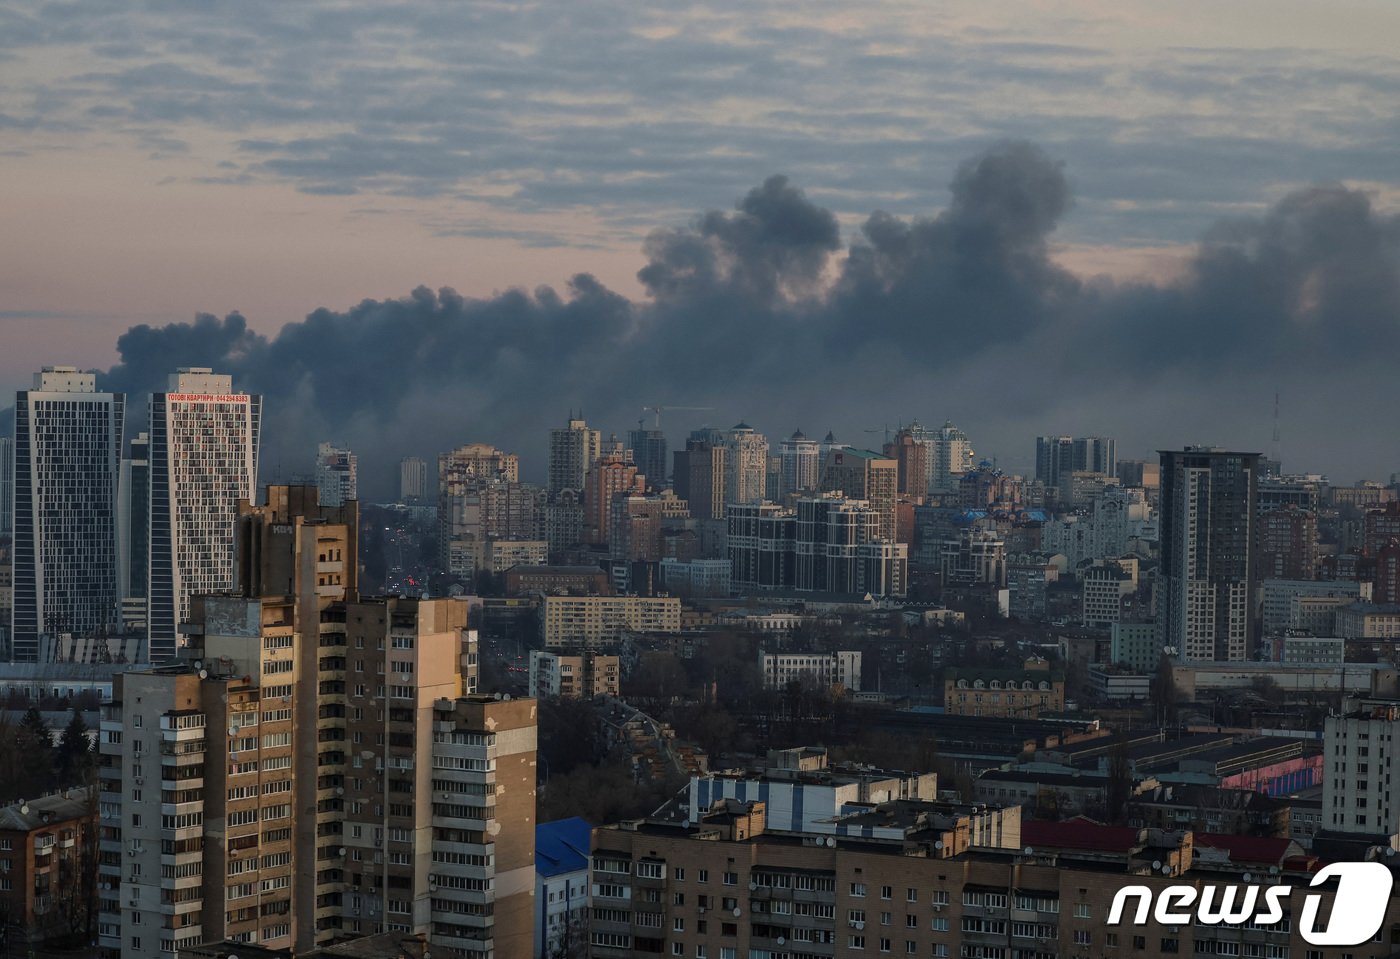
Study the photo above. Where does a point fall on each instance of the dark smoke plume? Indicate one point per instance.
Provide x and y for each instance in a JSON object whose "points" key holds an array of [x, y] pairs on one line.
{"points": [[756, 312]]}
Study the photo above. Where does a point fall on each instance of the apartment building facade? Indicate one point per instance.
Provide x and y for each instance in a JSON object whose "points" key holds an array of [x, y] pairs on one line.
{"points": [[593, 621], [298, 777]]}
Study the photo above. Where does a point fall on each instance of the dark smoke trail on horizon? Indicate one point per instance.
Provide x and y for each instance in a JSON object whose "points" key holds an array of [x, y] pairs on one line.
{"points": [[922, 313]]}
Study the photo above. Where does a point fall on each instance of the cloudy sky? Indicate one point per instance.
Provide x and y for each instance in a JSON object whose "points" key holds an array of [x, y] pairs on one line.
{"points": [[1131, 217]]}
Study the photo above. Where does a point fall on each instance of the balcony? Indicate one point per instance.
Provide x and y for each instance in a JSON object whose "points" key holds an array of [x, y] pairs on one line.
{"points": [[182, 808]]}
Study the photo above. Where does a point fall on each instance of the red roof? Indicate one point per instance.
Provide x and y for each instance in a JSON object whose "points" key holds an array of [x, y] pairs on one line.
{"points": [[1245, 850], [1078, 833]]}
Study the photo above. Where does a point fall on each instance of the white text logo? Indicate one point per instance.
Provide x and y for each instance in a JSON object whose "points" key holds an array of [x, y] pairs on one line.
{"points": [[1358, 907]]}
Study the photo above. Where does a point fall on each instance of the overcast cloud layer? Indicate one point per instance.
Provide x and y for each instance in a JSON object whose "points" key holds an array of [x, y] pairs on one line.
{"points": [[162, 159]]}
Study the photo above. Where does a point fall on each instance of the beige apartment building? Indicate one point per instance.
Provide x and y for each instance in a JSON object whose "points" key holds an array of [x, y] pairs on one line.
{"points": [[299, 776], [937, 881], [578, 676], [592, 621]]}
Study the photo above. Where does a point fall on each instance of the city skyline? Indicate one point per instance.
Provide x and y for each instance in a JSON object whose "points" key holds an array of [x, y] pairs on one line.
{"points": [[776, 479]]}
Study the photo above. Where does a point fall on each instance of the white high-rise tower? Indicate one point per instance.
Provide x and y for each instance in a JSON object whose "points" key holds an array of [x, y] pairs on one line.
{"points": [[204, 459]]}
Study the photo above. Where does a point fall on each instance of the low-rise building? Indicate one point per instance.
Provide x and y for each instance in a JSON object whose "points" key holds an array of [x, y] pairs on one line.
{"points": [[841, 668], [802, 793], [575, 580], [49, 849], [1025, 692], [561, 887], [1312, 650], [1210, 809], [580, 675], [1114, 683], [1197, 679], [1368, 621], [696, 577]]}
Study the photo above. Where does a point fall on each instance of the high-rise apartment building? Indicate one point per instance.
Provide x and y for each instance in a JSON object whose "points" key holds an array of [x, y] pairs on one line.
{"points": [[745, 464], [913, 452], [865, 475], [648, 449], [321, 770], [1287, 543], [413, 480], [950, 456], [337, 474], [699, 478], [67, 468], [839, 549], [7, 486], [1053, 455], [572, 451], [799, 466], [134, 533], [612, 474], [465, 475], [204, 461], [590, 622], [761, 542], [828, 544], [1207, 573], [1056, 457]]}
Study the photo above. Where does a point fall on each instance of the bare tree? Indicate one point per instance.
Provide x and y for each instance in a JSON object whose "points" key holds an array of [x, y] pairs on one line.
{"points": [[571, 940], [74, 910]]}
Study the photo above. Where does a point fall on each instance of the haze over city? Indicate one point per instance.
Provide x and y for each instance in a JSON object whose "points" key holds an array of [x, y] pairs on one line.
{"points": [[1156, 220]]}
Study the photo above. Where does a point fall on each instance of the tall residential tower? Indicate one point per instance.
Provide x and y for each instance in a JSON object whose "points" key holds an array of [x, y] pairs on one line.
{"points": [[67, 467], [204, 461], [571, 451], [1206, 609]]}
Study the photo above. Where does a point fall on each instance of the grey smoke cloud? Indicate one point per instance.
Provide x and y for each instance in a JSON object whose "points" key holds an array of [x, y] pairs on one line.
{"points": [[755, 311]]}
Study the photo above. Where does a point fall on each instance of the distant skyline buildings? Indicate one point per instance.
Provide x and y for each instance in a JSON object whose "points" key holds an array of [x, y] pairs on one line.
{"points": [[1058, 457], [337, 474], [745, 463], [413, 479], [204, 461], [799, 464], [950, 456], [572, 451], [648, 448], [66, 488]]}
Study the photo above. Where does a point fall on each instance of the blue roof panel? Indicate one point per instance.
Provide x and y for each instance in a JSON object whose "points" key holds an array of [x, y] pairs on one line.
{"points": [[562, 846]]}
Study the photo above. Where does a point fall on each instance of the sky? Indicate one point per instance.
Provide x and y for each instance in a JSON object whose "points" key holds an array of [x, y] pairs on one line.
{"points": [[417, 224]]}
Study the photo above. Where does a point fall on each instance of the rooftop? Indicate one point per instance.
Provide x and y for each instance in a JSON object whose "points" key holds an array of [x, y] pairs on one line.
{"points": [[38, 813], [562, 846]]}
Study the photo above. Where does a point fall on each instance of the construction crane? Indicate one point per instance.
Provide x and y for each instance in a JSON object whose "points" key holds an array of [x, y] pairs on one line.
{"points": [[659, 409], [885, 429]]}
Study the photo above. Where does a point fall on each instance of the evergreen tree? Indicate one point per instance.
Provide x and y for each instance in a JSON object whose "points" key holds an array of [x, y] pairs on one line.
{"points": [[36, 754], [76, 762]]}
